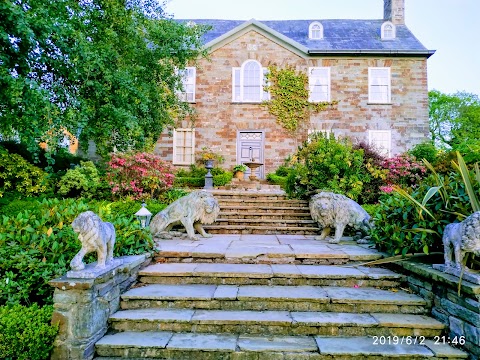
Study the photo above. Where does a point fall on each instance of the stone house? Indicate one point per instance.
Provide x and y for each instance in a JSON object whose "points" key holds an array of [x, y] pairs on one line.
{"points": [[375, 69]]}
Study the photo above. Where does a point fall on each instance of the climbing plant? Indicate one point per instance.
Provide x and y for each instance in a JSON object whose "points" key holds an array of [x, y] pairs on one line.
{"points": [[289, 97]]}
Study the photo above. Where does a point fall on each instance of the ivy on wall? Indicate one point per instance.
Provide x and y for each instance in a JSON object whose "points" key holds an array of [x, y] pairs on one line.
{"points": [[289, 97]]}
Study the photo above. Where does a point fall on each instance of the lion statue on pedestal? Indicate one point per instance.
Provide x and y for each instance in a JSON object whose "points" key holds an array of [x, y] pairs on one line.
{"points": [[95, 236], [332, 210], [197, 208]]}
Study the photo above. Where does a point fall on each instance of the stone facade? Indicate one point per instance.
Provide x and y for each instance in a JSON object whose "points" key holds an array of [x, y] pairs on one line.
{"points": [[220, 120], [460, 312], [83, 306]]}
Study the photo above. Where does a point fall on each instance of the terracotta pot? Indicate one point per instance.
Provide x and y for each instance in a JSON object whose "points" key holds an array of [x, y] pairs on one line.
{"points": [[239, 175]]}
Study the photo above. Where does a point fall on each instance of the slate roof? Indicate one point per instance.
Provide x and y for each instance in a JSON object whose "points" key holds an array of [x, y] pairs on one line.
{"points": [[339, 36]]}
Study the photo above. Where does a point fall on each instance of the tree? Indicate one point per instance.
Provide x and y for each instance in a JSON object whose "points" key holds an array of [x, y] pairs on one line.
{"points": [[104, 70], [455, 122]]}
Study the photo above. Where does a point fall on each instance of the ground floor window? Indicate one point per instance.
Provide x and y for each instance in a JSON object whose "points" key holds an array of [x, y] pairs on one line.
{"points": [[184, 146], [382, 140]]}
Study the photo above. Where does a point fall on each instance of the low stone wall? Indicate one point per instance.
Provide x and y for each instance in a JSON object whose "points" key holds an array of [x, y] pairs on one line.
{"points": [[460, 313], [83, 305]]}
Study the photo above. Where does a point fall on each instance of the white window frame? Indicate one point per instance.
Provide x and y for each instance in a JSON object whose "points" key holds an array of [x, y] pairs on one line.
{"points": [[386, 35], [189, 76], [376, 83], [315, 31], [324, 80], [238, 83], [376, 142], [185, 161]]}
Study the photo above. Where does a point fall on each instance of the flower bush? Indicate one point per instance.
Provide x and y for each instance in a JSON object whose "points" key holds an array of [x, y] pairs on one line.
{"points": [[403, 170], [139, 175]]}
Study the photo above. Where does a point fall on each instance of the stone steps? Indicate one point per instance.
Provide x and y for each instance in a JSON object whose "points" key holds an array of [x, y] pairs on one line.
{"points": [[188, 346], [269, 274], [281, 298], [275, 322], [261, 213]]}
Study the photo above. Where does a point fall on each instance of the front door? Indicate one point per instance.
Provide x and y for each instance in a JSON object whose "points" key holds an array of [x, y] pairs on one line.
{"points": [[250, 146]]}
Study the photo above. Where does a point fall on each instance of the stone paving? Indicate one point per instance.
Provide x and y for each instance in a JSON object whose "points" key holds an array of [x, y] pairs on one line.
{"points": [[265, 249]]}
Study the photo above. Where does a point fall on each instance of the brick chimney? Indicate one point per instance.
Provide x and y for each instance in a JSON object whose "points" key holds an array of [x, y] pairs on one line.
{"points": [[394, 10]]}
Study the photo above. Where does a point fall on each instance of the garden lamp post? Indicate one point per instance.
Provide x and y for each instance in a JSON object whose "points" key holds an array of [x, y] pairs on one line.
{"points": [[144, 216]]}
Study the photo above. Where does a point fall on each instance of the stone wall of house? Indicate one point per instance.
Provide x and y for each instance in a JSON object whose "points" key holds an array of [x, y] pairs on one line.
{"points": [[219, 119], [83, 306], [460, 312]]}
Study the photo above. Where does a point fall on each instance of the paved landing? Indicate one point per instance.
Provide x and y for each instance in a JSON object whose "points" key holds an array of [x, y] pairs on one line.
{"points": [[267, 248]]}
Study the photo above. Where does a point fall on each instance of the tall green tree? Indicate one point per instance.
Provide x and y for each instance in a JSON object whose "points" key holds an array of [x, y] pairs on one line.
{"points": [[455, 122], [102, 69]]}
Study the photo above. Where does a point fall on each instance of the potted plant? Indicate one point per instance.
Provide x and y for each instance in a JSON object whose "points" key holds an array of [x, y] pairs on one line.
{"points": [[208, 156], [239, 171]]}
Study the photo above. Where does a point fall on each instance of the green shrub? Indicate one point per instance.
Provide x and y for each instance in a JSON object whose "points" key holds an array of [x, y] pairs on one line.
{"points": [[413, 220], [62, 159], [277, 180], [425, 150], [37, 245], [325, 163], [190, 182], [83, 180], [11, 207], [371, 209], [17, 174], [26, 333], [222, 179]]}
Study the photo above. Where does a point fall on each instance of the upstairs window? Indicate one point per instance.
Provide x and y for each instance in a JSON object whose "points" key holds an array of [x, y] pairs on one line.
{"points": [[183, 146], [315, 31], [319, 84], [188, 83], [388, 31], [248, 82], [381, 140], [379, 88]]}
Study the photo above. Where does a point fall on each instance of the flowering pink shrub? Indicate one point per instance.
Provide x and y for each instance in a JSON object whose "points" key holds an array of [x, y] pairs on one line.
{"points": [[403, 170], [139, 175]]}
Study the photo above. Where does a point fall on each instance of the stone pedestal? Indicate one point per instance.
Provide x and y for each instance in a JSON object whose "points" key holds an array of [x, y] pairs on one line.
{"points": [[83, 302]]}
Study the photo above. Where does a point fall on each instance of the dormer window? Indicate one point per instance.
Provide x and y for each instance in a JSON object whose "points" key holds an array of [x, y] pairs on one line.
{"points": [[388, 31], [315, 31]]}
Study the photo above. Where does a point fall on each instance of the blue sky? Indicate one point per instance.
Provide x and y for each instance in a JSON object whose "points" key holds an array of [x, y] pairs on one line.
{"points": [[451, 27]]}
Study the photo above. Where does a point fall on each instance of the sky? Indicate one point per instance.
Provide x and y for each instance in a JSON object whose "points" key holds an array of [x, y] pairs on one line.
{"points": [[451, 27]]}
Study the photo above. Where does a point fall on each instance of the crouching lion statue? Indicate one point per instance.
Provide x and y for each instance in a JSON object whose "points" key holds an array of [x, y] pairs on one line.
{"points": [[331, 210], [95, 235], [197, 208], [464, 237]]}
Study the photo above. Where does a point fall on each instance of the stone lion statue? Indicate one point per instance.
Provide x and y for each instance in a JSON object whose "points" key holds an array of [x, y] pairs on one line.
{"points": [[332, 210], [197, 208], [464, 237], [95, 236]]}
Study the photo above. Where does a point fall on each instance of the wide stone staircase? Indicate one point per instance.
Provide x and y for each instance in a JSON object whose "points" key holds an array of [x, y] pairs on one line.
{"points": [[263, 212], [271, 297]]}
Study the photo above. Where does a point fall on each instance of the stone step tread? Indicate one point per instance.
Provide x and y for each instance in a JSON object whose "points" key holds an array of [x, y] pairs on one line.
{"points": [[241, 250], [230, 346], [255, 200], [317, 294], [264, 207], [278, 318], [267, 221], [269, 214], [253, 194], [258, 227], [268, 271]]}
